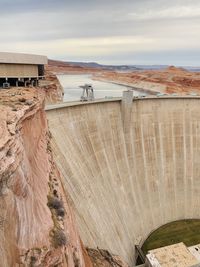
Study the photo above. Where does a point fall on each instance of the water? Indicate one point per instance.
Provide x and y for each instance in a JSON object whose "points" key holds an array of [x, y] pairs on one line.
{"points": [[72, 92]]}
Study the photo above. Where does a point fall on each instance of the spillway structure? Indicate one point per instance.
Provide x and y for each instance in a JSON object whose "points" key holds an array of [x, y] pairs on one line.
{"points": [[129, 166]]}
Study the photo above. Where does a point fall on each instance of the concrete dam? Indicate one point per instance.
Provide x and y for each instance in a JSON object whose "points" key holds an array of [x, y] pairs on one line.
{"points": [[128, 167]]}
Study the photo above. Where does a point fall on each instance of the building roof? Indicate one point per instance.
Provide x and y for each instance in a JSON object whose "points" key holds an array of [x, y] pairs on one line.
{"points": [[18, 58], [195, 250], [177, 255]]}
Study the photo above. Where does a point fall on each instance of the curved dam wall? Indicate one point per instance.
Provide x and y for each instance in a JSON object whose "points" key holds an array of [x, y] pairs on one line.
{"points": [[127, 179]]}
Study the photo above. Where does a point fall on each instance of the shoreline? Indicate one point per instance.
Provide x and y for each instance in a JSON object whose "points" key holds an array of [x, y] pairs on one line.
{"points": [[138, 89], [124, 84]]}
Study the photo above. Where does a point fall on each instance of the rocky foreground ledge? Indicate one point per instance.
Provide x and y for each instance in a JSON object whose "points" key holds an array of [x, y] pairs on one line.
{"points": [[37, 225]]}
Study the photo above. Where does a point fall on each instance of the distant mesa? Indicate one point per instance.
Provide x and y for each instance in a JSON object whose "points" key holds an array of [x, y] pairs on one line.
{"points": [[173, 68]]}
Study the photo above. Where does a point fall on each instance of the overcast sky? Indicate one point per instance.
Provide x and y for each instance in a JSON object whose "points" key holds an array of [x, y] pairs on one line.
{"points": [[106, 31]]}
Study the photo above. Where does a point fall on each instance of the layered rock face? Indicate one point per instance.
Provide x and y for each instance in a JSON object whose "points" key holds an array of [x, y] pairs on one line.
{"points": [[128, 179], [37, 226], [170, 80], [53, 89]]}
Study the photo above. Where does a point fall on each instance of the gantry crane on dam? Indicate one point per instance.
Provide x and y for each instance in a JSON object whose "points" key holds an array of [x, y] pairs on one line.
{"points": [[88, 92]]}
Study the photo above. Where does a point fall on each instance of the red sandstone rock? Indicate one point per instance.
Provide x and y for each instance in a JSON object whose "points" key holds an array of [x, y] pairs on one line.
{"points": [[27, 176], [170, 80], [103, 258]]}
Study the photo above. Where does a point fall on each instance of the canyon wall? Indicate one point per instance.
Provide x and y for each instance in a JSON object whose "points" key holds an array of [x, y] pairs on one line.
{"points": [[33, 230], [169, 80], [126, 180]]}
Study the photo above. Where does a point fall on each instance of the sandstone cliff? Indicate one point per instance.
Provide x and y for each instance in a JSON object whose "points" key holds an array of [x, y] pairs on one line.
{"points": [[170, 80], [54, 91], [37, 226]]}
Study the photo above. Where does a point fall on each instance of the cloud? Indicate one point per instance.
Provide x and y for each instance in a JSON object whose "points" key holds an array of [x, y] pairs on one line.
{"points": [[174, 12], [101, 30]]}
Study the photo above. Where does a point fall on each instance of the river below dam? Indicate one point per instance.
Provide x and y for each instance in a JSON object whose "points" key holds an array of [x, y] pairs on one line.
{"points": [[72, 91]]}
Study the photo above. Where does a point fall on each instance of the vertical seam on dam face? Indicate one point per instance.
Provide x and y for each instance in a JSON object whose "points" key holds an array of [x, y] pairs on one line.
{"points": [[128, 171], [162, 178], [185, 160], [174, 169], [191, 170]]}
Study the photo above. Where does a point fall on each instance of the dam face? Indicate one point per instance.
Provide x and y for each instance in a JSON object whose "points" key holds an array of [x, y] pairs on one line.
{"points": [[126, 180]]}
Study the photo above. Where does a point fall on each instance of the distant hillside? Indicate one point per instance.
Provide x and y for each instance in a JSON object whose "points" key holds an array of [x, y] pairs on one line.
{"points": [[93, 65], [105, 67], [123, 68]]}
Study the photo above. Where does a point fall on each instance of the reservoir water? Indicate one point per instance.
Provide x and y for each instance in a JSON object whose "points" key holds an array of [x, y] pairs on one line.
{"points": [[72, 91]]}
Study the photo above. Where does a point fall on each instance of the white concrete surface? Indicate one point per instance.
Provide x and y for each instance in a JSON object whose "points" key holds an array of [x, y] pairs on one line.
{"points": [[177, 255], [127, 181]]}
